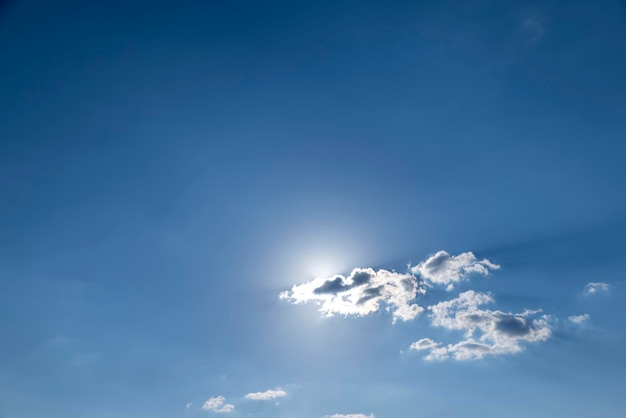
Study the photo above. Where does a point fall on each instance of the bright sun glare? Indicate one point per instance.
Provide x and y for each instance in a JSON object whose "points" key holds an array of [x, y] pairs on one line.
{"points": [[323, 268], [325, 262]]}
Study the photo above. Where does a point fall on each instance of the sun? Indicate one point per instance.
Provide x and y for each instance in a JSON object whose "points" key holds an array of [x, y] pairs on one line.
{"points": [[323, 267], [322, 261]]}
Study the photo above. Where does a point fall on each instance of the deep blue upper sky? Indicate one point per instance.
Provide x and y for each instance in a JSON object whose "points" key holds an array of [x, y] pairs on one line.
{"points": [[167, 169]]}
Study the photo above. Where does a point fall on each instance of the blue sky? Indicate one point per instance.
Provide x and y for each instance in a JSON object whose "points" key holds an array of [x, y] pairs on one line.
{"points": [[337, 209]]}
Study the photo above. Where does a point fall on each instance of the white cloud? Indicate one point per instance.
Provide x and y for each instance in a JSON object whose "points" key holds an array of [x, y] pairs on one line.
{"points": [[596, 287], [267, 395], [189, 405], [486, 332], [442, 268], [579, 319], [350, 416], [217, 404], [227, 408], [424, 344], [361, 293]]}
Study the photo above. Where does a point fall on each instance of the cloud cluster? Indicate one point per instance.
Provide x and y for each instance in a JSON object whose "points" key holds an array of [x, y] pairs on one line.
{"points": [[365, 290], [361, 293], [595, 288], [486, 332], [267, 395], [445, 269], [217, 404]]}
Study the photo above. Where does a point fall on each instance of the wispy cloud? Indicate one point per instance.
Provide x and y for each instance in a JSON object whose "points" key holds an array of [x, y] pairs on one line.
{"points": [[533, 29], [361, 293], [594, 288], [579, 319], [486, 332], [217, 404], [58, 341], [350, 416], [267, 395]]}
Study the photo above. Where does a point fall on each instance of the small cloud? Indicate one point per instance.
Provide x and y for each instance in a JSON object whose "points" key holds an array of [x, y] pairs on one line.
{"points": [[189, 405], [227, 408], [350, 416], [217, 404], [267, 395], [424, 344], [593, 288], [445, 269], [579, 319]]}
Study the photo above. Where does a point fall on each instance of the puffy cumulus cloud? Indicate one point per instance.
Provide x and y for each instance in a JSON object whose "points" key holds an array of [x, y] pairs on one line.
{"points": [[424, 344], [267, 395], [445, 269], [596, 287], [486, 332], [361, 293], [350, 416], [217, 404], [579, 319]]}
